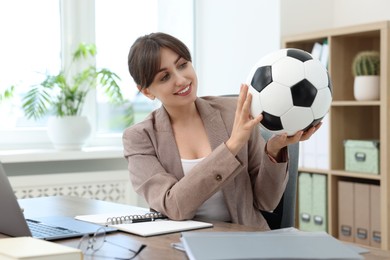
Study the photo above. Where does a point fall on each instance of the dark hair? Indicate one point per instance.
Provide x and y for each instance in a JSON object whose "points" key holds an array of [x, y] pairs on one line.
{"points": [[144, 57]]}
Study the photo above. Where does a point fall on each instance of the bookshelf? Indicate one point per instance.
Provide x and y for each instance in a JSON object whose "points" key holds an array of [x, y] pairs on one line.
{"points": [[351, 119]]}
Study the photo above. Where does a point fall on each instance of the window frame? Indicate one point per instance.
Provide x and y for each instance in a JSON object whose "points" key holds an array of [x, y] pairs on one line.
{"points": [[78, 25], [76, 20]]}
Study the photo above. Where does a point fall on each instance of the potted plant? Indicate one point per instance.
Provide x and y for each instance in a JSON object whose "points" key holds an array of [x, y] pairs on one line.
{"points": [[366, 69], [62, 96]]}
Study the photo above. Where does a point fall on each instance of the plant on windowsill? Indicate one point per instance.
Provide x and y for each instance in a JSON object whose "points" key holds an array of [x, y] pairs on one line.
{"points": [[62, 96], [366, 69]]}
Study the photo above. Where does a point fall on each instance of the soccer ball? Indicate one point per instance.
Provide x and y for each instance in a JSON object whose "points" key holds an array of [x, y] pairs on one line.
{"points": [[291, 89]]}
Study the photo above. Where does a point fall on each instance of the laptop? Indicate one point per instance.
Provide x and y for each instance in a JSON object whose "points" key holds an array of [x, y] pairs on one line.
{"points": [[13, 223]]}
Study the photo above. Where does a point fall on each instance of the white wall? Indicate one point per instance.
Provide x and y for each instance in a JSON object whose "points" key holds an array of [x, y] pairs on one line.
{"points": [[230, 36], [351, 12], [297, 16], [176, 17], [300, 16]]}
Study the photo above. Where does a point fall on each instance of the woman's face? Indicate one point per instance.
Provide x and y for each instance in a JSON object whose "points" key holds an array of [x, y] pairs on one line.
{"points": [[176, 83]]}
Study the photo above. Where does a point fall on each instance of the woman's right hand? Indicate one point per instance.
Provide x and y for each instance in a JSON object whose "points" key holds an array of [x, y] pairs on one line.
{"points": [[243, 122]]}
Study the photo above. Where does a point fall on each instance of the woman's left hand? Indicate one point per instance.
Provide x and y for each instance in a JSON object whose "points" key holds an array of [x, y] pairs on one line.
{"points": [[277, 142]]}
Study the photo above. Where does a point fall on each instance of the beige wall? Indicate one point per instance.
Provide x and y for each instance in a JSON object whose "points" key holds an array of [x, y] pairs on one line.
{"points": [[300, 16], [363, 11]]}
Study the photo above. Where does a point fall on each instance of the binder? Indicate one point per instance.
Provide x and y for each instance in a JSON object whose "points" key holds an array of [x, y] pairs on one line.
{"points": [[312, 202], [346, 229], [319, 208], [375, 217], [316, 51], [362, 213], [305, 201]]}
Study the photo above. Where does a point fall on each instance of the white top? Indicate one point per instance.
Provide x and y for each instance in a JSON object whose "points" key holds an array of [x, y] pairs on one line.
{"points": [[215, 207]]}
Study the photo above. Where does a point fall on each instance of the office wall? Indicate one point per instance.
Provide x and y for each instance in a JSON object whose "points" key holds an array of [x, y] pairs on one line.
{"points": [[230, 36], [177, 18], [300, 16], [349, 12]]}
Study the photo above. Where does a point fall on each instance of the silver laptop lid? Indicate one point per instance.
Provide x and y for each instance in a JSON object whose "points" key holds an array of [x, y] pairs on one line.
{"points": [[12, 221]]}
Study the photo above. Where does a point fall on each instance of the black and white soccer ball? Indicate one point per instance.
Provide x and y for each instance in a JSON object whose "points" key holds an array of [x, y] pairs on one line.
{"points": [[292, 90]]}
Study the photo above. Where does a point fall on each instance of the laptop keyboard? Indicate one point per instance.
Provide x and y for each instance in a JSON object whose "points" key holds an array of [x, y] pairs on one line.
{"points": [[40, 230]]}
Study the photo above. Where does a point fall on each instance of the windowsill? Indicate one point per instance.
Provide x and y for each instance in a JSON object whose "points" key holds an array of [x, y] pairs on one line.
{"points": [[45, 155]]}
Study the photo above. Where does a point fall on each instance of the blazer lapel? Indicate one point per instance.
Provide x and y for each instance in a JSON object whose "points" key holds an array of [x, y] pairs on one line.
{"points": [[217, 134], [167, 149], [213, 123]]}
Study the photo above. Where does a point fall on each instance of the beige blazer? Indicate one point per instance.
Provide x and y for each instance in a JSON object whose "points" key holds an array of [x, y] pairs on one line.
{"points": [[249, 181]]}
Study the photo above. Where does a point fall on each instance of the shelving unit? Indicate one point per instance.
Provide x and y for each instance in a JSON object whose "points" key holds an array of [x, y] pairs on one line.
{"points": [[351, 119]]}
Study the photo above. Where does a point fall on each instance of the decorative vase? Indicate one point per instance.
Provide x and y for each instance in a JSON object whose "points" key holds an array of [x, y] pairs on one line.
{"points": [[69, 132], [366, 88]]}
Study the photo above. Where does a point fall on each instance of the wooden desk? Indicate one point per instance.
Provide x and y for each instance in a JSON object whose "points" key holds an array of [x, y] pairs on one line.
{"points": [[158, 247]]}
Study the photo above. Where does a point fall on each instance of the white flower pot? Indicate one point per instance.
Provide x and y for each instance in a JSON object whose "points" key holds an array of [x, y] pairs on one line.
{"points": [[69, 132], [366, 88]]}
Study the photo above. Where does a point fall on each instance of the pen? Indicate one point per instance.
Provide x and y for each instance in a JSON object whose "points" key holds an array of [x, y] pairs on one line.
{"points": [[148, 217], [137, 220]]}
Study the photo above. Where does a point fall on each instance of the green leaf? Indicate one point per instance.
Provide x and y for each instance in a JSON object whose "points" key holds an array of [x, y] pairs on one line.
{"points": [[37, 102], [65, 96], [108, 82], [7, 94], [84, 50]]}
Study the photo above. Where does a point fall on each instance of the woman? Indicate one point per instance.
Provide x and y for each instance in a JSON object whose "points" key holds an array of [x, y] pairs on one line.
{"points": [[196, 156]]}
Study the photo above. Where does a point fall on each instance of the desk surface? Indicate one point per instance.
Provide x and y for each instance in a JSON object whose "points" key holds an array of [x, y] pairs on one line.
{"points": [[158, 247]]}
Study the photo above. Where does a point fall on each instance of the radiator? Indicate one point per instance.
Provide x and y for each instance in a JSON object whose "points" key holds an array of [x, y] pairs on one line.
{"points": [[111, 186]]}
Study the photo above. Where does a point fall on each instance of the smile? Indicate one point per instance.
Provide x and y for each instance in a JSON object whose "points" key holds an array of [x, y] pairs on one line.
{"points": [[184, 91]]}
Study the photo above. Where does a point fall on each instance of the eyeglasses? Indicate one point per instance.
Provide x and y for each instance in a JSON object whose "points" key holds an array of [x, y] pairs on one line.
{"points": [[96, 241]]}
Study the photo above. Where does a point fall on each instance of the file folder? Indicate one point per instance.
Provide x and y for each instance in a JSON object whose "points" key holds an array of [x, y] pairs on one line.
{"points": [[362, 213], [346, 225], [305, 201], [375, 217], [265, 245], [319, 203]]}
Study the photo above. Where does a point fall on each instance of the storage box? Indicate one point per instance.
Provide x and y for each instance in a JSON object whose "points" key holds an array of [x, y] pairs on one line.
{"points": [[362, 156]]}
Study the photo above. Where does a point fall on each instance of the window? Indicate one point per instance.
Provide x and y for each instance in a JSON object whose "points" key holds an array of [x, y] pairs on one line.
{"points": [[118, 24], [30, 46], [37, 38]]}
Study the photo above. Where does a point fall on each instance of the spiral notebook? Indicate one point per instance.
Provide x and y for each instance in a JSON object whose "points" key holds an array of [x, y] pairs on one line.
{"points": [[143, 223]]}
